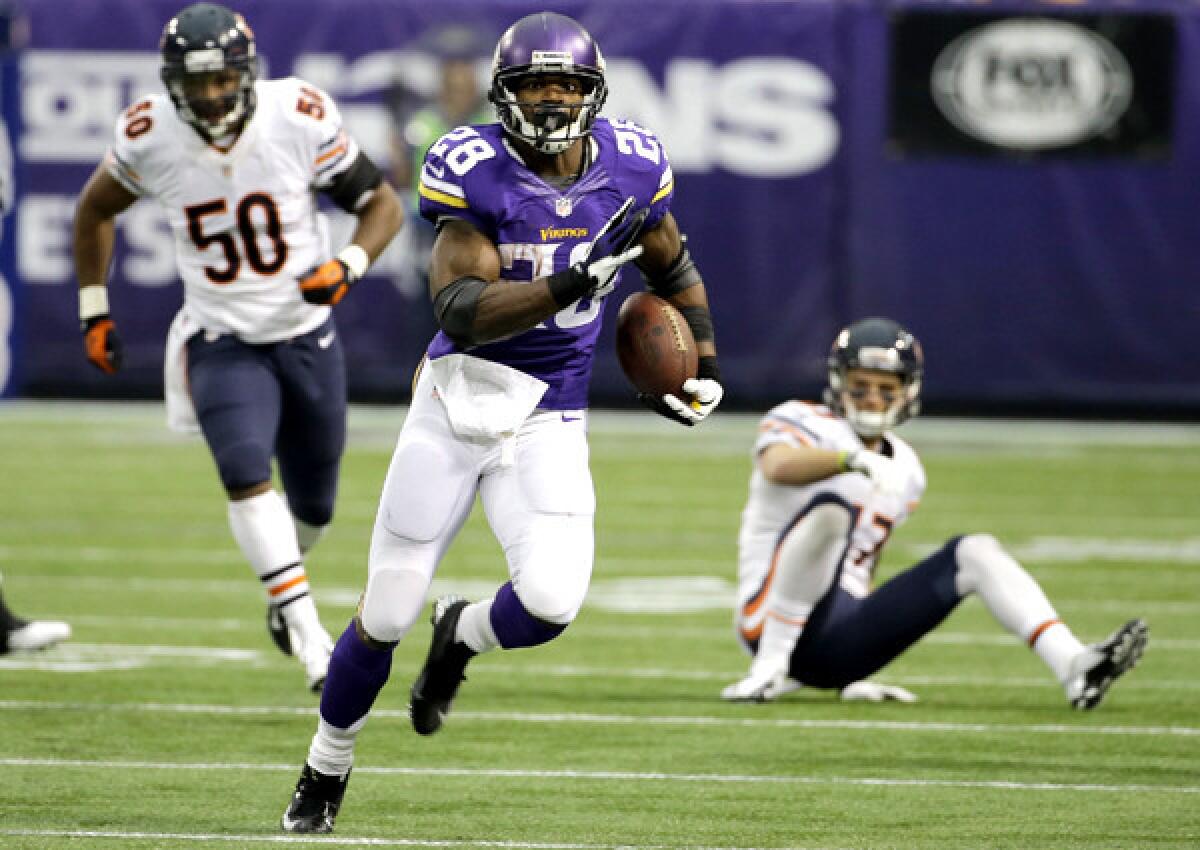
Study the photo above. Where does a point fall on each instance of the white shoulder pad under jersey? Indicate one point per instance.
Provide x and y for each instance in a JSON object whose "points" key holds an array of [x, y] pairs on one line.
{"points": [[245, 219]]}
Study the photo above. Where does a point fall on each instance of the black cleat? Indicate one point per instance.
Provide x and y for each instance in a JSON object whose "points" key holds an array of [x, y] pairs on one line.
{"points": [[278, 628], [438, 681], [1099, 665], [315, 803]]}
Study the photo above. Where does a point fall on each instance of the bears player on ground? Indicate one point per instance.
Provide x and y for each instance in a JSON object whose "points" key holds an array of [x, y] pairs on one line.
{"points": [[830, 484], [536, 215], [235, 163]]}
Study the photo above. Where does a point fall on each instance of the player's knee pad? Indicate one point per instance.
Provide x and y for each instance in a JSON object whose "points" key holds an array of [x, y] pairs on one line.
{"points": [[974, 554], [817, 540], [552, 572], [392, 602], [314, 512], [829, 521], [552, 600], [242, 464]]}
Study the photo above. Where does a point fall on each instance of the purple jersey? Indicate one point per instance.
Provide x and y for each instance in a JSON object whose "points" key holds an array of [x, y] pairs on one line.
{"points": [[473, 174]]}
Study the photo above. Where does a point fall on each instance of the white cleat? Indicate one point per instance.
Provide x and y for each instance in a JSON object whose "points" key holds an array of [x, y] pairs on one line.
{"points": [[767, 680], [313, 650], [38, 634], [1095, 669]]}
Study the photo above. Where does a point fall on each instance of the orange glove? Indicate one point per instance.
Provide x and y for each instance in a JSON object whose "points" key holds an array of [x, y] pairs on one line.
{"points": [[102, 344], [328, 283]]}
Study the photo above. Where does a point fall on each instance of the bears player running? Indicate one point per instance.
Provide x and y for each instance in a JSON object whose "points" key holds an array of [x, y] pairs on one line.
{"points": [[234, 162], [536, 215], [830, 483]]}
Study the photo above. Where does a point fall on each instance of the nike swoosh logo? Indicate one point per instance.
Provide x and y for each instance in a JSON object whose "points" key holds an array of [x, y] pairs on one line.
{"points": [[571, 418], [327, 340]]}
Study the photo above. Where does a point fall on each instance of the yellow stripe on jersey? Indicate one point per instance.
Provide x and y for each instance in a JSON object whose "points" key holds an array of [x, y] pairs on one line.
{"points": [[441, 197], [663, 192]]}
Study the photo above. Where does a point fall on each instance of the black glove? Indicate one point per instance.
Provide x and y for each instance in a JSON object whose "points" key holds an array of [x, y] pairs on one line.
{"points": [[656, 403], [706, 391], [102, 344], [595, 275], [618, 233]]}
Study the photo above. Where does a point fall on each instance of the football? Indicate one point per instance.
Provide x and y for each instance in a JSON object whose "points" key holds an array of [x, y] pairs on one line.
{"points": [[654, 345]]}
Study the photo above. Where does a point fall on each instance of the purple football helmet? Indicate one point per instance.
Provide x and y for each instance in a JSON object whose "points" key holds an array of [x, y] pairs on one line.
{"points": [[547, 43]]}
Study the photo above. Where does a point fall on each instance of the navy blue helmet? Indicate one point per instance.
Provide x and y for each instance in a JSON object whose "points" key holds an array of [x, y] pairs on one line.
{"points": [[881, 345], [201, 39]]}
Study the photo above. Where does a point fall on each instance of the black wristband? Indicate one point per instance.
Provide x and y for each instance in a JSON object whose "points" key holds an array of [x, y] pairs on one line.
{"points": [[700, 321], [86, 325], [706, 367], [569, 285]]}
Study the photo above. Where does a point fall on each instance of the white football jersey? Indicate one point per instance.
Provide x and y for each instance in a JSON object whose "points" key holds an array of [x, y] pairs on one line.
{"points": [[773, 508], [245, 220]]}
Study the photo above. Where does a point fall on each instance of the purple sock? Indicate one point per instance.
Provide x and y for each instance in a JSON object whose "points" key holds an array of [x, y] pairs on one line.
{"points": [[514, 626], [356, 675]]}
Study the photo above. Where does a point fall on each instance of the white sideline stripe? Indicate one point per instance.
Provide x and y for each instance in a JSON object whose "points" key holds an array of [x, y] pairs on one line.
{"points": [[624, 776], [336, 840], [614, 719]]}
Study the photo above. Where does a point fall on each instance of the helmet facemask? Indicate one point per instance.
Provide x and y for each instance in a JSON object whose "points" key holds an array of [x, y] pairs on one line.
{"points": [[871, 424], [876, 345], [213, 118], [552, 126]]}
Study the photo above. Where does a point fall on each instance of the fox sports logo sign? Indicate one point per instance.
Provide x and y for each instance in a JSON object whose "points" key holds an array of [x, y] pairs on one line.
{"points": [[1032, 84]]}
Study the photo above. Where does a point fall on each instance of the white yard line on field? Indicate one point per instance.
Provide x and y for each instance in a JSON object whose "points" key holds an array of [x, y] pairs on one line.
{"points": [[621, 776], [1041, 549], [78, 657], [335, 840], [657, 633], [586, 671], [625, 595], [591, 719]]}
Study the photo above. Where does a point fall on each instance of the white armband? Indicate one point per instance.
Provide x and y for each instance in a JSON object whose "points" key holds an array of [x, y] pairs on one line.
{"points": [[356, 259], [93, 302]]}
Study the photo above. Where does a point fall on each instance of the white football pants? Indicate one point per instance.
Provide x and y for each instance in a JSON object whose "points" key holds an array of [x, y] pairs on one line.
{"points": [[539, 503]]}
